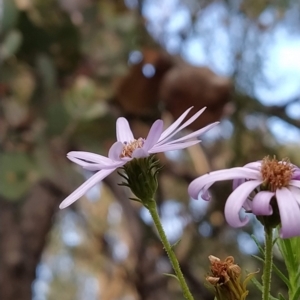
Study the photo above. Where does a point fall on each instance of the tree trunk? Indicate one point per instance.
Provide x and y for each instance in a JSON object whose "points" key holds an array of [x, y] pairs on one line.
{"points": [[24, 226]]}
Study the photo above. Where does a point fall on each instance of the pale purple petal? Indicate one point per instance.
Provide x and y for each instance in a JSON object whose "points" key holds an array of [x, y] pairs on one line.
{"points": [[174, 125], [185, 124], [171, 147], [236, 201], [295, 183], [296, 193], [124, 133], [237, 182], [235, 173], [247, 205], [254, 165], [88, 156], [205, 195], [79, 192], [289, 213], [296, 174], [261, 203], [115, 151], [139, 153], [153, 135], [193, 118], [95, 166], [188, 122], [192, 135]]}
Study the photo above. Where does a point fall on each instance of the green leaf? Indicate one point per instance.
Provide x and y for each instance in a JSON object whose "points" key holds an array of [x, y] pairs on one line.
{"points": [[273, 298], [57, 118], [286, 247], [85, 100], [282, 276], [171, 275], [9, 15], [11, 44], [17, 175], [47, 71], [261, 250], [175, 244], [259, 286], [296, 295], [136, 199], [297, 277], [256, 283], [289, 249], [258, 258], [277, 271], [295, 244], [281, 297]]}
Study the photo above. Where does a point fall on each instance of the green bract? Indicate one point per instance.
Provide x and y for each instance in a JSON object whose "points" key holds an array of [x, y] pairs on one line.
{"points": [[140, 176]]}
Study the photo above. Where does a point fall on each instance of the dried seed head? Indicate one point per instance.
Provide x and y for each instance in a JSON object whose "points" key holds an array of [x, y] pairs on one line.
{"points": [[223, 270], [234, 271], [225, 278], [213, 259], [212, 280]]}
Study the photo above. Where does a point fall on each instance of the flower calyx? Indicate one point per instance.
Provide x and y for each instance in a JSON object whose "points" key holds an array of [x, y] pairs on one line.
{"points": [[140, 175]]}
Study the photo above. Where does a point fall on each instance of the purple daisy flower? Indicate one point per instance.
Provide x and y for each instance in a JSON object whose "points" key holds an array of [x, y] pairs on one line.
{"points": [[127, 148], [266, 180]]}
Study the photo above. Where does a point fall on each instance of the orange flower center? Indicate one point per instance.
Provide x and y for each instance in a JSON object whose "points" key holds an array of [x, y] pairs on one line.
{"points": [[276, 174], [128, 148]]}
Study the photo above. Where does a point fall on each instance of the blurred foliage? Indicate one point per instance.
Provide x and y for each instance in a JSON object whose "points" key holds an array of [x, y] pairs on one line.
{"points": [[62, 66], [17, 175]]}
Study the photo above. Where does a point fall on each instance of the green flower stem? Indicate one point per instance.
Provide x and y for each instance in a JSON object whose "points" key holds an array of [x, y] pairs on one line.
{"points": [[151, 205], [266, 278]]}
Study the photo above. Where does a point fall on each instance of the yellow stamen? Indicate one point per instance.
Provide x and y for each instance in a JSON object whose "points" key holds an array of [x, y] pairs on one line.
{"points": [[276, 174], [130, 147]]}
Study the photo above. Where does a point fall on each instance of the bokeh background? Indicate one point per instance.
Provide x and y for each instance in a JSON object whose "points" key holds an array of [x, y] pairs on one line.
{"points": [[68, 69]]}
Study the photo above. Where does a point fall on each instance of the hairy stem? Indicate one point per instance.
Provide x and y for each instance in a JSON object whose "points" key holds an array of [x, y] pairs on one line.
{"points": [[266, 278], [172, 257]]}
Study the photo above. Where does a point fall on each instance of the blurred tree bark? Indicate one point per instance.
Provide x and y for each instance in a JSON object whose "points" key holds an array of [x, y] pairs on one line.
{"points": [[24, 228]]}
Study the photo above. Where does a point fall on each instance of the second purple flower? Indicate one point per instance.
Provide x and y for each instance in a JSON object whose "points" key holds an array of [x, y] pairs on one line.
{"points": [[256, 186]]}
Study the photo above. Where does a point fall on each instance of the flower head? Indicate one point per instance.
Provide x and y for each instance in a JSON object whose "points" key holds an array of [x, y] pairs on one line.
{"points": [[225, 278], [127, 148], [263, 188], [222, 271]]}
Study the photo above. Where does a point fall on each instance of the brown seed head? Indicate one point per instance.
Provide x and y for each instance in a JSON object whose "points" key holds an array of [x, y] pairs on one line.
{"points": [[276, 174], [223, 271], [212, 280], [226, 279]]}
